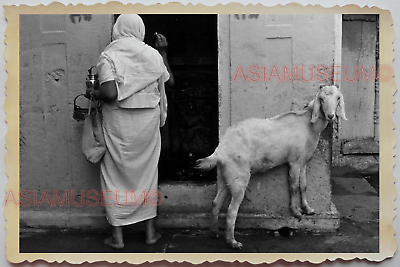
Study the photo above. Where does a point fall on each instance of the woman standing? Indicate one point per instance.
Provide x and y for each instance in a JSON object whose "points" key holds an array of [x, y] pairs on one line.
{"points": [[131, 77]]}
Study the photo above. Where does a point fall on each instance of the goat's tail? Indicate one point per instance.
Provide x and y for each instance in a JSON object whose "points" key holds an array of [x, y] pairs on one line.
{"points": [[208, 163]]}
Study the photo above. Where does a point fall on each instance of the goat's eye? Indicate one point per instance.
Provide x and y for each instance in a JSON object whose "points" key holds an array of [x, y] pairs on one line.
{"points": [[338, 98]]}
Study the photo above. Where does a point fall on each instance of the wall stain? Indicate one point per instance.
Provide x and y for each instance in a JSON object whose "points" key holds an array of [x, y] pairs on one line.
{"points": [[56, 76]]}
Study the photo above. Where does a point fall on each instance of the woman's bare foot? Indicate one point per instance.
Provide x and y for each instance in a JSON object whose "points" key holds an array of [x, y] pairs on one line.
{"points": [[110, 241], [151, 235], [152, 240], [116, 240]]}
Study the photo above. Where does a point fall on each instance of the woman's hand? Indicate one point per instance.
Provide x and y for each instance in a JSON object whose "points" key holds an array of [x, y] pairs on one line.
{"points": [[89, 92], [161, 42], [90, 87], [161, 45]]}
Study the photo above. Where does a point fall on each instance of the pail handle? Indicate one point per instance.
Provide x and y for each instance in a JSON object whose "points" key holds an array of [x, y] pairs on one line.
{"points": [[90, 103], [75, 105]]}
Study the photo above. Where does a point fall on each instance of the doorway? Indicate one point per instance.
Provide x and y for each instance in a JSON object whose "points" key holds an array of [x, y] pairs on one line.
{"points": [[357, 152], [191, 130]]}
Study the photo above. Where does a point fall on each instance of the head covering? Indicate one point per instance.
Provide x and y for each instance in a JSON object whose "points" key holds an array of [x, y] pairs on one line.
{"points": [[135, 65], [129, 25]]}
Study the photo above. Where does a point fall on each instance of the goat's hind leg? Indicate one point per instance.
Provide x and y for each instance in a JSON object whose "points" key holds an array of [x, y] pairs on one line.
{"points": [[238, 188], [222, 190]]}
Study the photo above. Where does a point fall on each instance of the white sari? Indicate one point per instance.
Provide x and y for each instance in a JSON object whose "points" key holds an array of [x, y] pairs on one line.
{"points": [[129, 174]]}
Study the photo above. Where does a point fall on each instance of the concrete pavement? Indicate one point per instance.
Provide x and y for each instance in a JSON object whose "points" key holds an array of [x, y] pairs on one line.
{"points": [[356, 200]]}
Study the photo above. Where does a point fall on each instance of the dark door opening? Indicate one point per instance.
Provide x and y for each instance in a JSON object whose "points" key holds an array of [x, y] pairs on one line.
{"points": [[191, 131]]}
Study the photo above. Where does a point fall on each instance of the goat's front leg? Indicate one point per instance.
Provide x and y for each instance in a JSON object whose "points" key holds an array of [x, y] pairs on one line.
{"points": [[294, 184], [303, 188]]}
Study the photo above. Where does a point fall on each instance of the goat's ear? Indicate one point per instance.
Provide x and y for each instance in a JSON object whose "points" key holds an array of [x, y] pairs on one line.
{"points": [[340, 109], [316, 108]]}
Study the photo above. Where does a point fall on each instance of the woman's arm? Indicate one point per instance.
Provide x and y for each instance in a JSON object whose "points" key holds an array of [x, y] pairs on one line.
{"points": [[107, 91], [161, 45], [171, 80]]}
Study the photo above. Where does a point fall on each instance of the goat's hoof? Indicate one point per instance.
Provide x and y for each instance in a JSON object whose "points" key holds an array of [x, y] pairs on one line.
{"points": [[308, 211], [298, 216], [236, 245], [297, 213]]}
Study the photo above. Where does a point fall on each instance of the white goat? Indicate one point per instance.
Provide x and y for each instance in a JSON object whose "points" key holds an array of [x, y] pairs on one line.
{"points": [[257, 145]]}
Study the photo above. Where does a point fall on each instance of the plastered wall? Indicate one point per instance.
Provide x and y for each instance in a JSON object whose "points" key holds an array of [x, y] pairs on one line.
{"points": [[55, 53], [57, 50]]}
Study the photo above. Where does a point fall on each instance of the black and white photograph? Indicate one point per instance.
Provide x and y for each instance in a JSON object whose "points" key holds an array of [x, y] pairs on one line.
{"points": [[143, 133]]}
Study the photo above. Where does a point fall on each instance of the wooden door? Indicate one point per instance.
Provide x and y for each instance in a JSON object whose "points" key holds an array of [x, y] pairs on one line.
{"points": [[359, 135]]}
